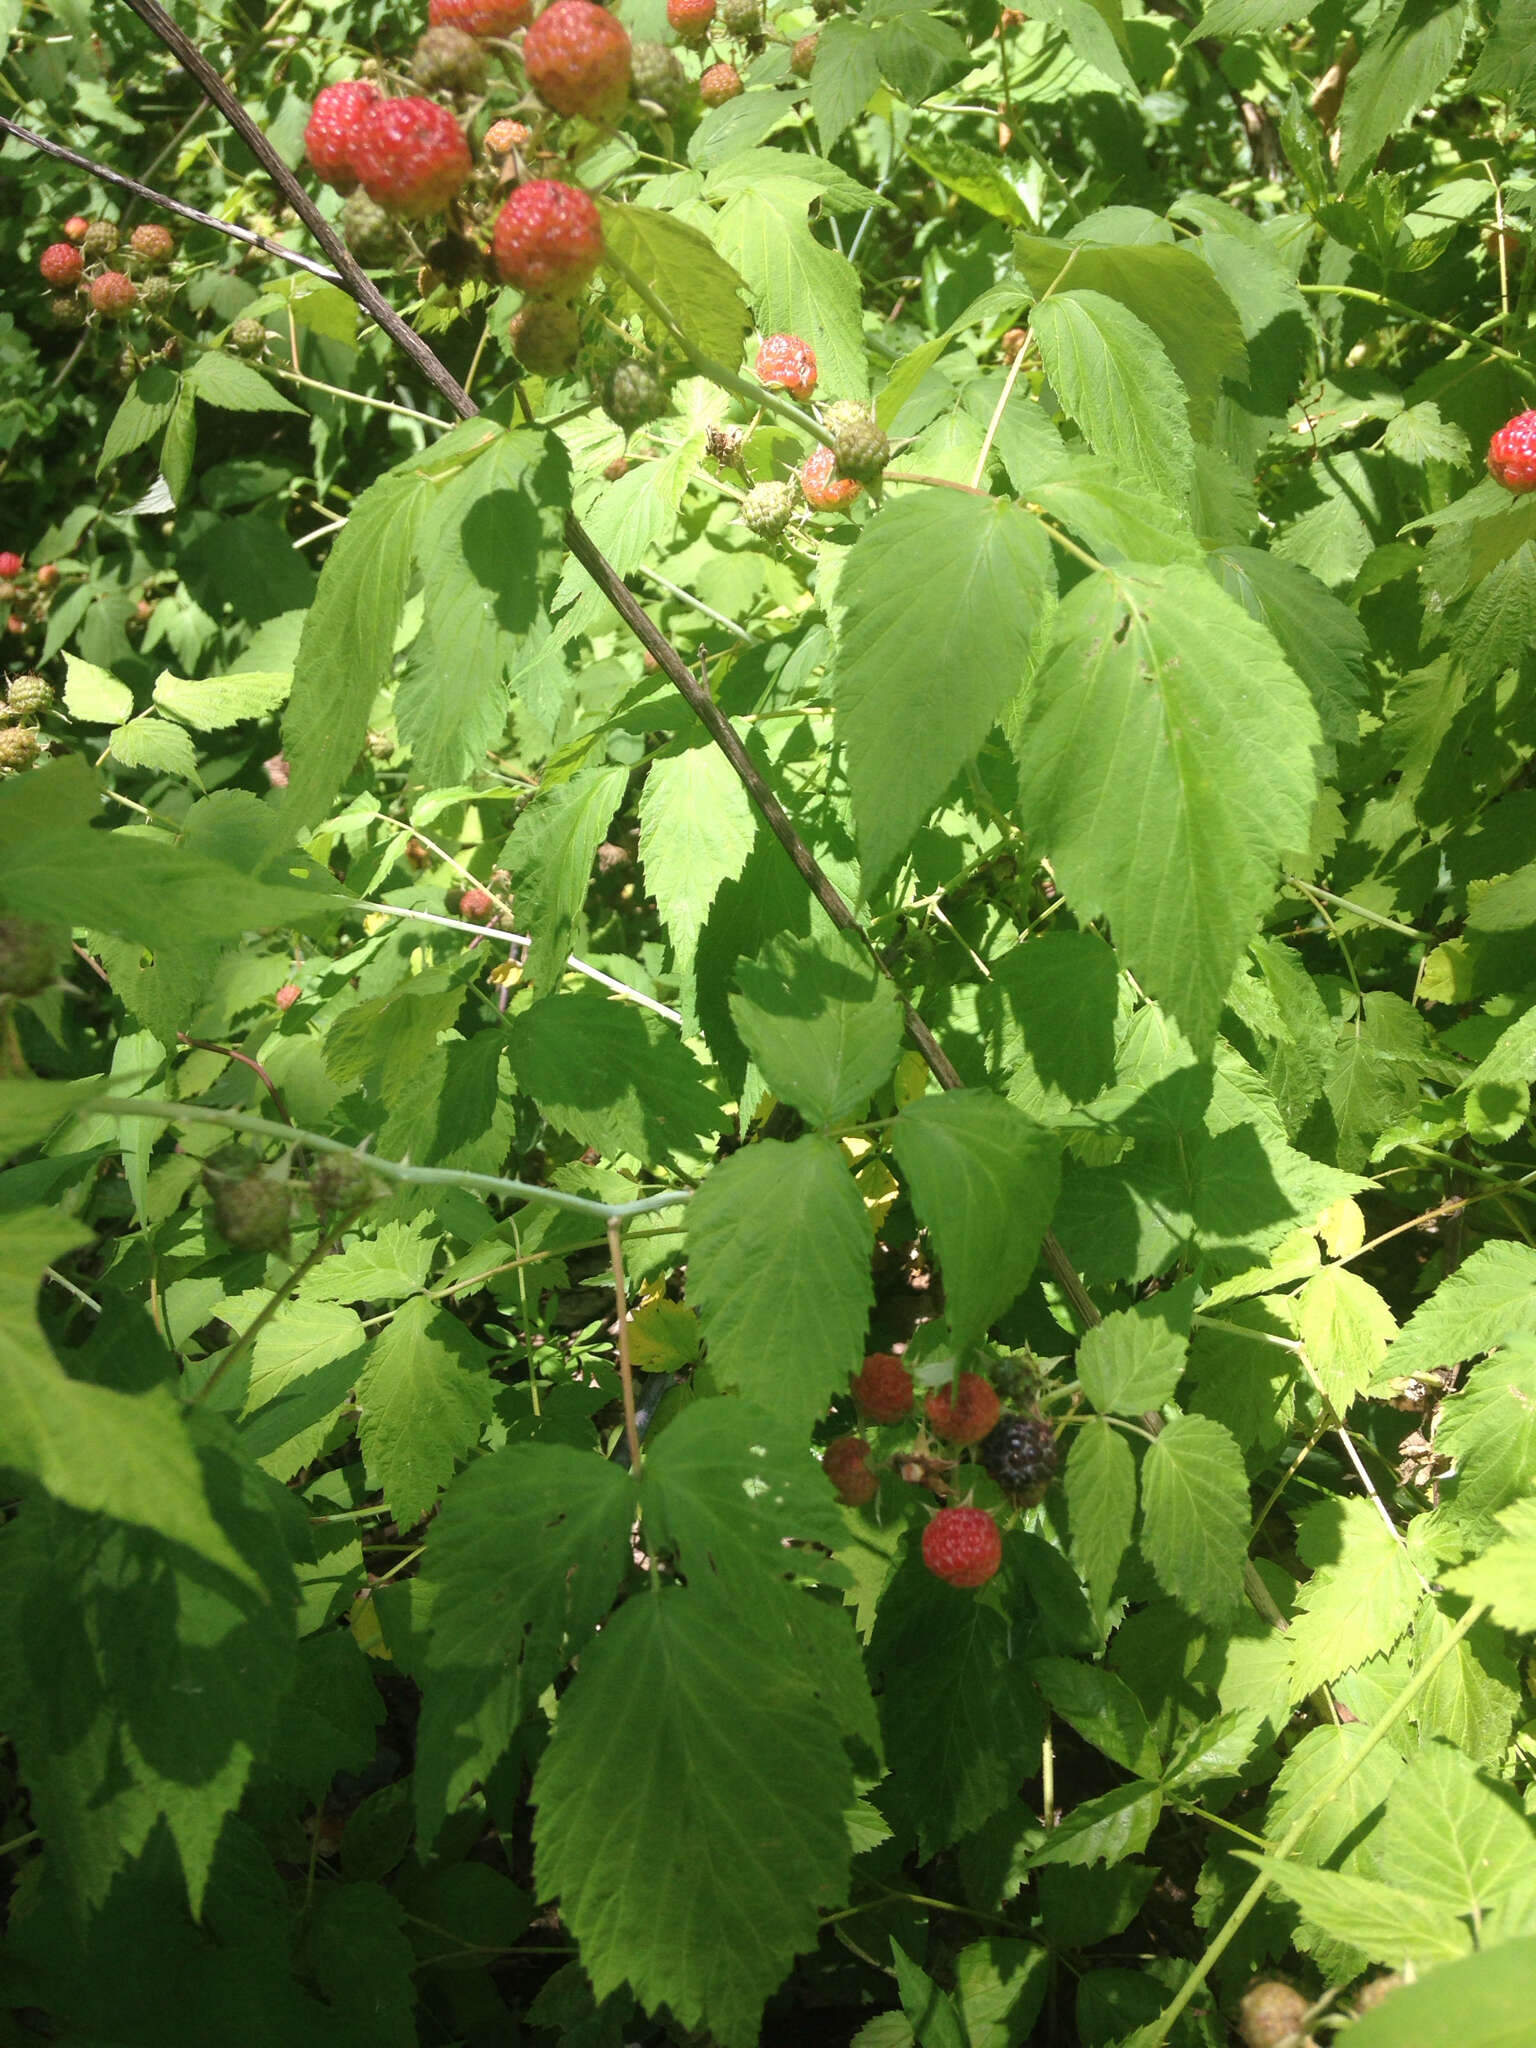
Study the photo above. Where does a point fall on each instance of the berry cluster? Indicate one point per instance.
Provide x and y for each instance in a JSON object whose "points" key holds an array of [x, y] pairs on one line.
{"points": [[25, 598], [835, 471], [93, 272]]}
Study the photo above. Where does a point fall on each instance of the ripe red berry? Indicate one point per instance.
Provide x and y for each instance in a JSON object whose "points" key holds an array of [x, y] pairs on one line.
{"points": [[721, 82], [1512, 454], [11, 565], [577, 59], [786, 363], [480, 17], [548, 239], [846, 1463], [476, 907], [823, 489], [335, 128], [287, 995], [152, 243], [76, 228], [883, 1388], [61, 264], [967, 1415], [963, 1545], [16, 624], [690, 20], [412, 157], [113, 295]]}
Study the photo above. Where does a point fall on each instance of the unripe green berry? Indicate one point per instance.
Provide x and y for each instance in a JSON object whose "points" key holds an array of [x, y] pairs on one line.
{"points": [[546, 336], [157, 291], [368, 231], [69, 309], [768, 508], [30, 954], [656, 75], [18, 748], [633, 394], [248, 338], [448, 60], [28, 696], [100, 240], [860, 448], [741, 17], [250, 1212], [341, 1183]]}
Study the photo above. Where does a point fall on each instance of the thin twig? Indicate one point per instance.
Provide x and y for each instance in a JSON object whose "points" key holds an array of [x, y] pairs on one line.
{"points": [[626, 1370], [228, 1052]]}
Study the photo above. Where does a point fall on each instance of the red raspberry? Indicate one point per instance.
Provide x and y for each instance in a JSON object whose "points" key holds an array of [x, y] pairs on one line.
{"points": [[967, 1416], [287, 995], [11, 566], [335, 128], [786, 363], [502, 137], [963, 1545], [16, 624], [480, 17], [412, 157], [1512, 454], [721, 82], [113, 295], [883, 1387], [76, 228], [689, 20], [802, 58], [61, 264], [548, 239], [577, 59], [846, 1463], [822, 487], [48, 576], [152, 244], [476, 907]]}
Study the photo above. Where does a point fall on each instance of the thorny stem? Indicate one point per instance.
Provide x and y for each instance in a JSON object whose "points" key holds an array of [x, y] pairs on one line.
{"points": [[626, 1370], [228, 1052]]}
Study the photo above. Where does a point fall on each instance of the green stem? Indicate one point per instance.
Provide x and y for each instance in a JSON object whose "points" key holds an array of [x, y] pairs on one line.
{"points": [[1353, 291], [1389, 924]]}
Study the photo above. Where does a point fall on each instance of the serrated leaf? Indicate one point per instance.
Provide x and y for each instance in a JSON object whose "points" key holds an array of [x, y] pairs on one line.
{"points": [[1114, 379], [235, 386], [1388, 1923], [157, 744], [928, 2011], [1103, 1710], [934, 616], [425, 1395], [1489, 1300], [1110, 1829], [220, 701], [821, 1022], [1134, 1359], [1346, 1328], [970, 172], [688, 274], [844, 78], [1162, 700], [696, 831], [614, 1077], [1480, 2001], [1505, 1575], [550, 852], [984, 1180], [1056, 1001], [150, 402], [1452, 1837], [778, 1268], [1195, 1515], [689, 1813], [1101, 1506], [1320, 637], [1506, 70], [626, 522], [1362, 1594], [94, 696], [1407, 58], [797, 285], [1000, 1986], [1419, 435], [1489, 1428]]}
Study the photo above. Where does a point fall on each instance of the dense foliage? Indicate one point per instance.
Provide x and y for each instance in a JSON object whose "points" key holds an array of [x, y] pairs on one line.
{"points": [[806, 1310]]}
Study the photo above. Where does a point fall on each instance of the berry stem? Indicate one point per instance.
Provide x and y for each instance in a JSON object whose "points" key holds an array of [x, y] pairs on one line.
{"points": [[626, 1370], [1354, 291], [228, 1052]]}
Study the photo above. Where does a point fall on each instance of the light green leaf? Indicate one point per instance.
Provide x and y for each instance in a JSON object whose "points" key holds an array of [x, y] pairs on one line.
{"points": [[156, 744], [1134, 1359], [934, 615], [1321, 638], [821, 1021], [1407, 57], [1101, 1506], [970, 172], [1489, 1428], [1480, 2001], [92, 695], [1195, 1515], [1346, 1328], [1056, 1000], [1388, 1923], [1000, 1986], [1489, 1300], [1095, 30], [550, 855], [1506, 70], [798, 285], [1103, 1710], [1165, 766], [1362, 1594], [614, 1077], [1114, 379], [221, 701], [689, 1813], [150, 402], [984, 1180], [1452, 1837], [1505, 1575], [778, 1268], [425, 1395], [844, 78], [696, 831], [630, 518], [687, 273], [235, 386], [1109, 1829]]}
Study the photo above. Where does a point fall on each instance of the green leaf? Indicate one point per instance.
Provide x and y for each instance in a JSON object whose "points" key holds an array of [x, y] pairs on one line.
{"points": [[1056, 1000], [525, 1558], [221, 701], [1480, 2001], [150, 402], [915, 48], [551, 851], [821, 1021], [1452, 1837], [629, 519], [778, 1268], [1134, 1359], [346, 651], [156, 744], [1195, 1515], [1114, 379], [1095, 31], [1506, 70], [929, 2012], [969, 171], [1320, 637], [1103, 1710], [614, 1077], [106, 1453], [844, 78], [1362, 1594], [1162, 700], [960, 1729], [1489, 1428], [1101, 1506], [1388, 1923], [92, 695], [1346, 1328], [1172, 290], [425, 1395], [1505, 1576], [235, 386], [1000, 1986], [1407, 58], [179, 447], [935, 614], [1489, 1300], [796, 284], [687, 273], [1109, 1829], [984, 1180], [689, 1813], [696, 831]]}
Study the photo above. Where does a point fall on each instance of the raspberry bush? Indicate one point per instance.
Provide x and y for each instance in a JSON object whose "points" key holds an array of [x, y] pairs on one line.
{"points": [[768, 1262]]}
